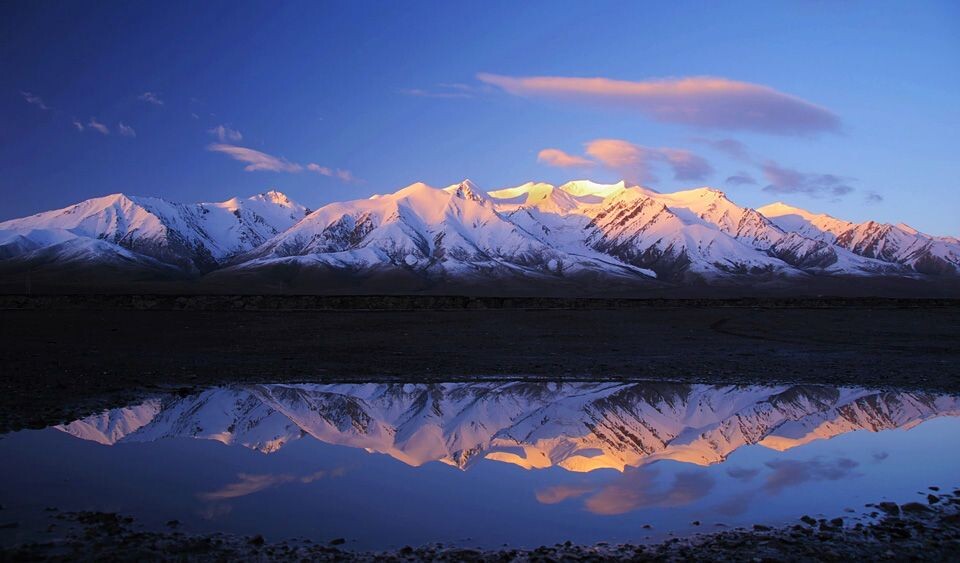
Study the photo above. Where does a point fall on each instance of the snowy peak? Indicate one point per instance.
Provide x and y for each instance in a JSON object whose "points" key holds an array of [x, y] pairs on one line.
{"points": [[578, 233]]}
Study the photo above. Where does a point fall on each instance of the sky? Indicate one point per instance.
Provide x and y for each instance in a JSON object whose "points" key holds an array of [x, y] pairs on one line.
{"points": [[848, 108]]}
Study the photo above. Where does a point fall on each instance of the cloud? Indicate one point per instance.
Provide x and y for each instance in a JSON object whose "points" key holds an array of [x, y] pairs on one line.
{"points": [[873, 197], [34, 99], [636, 489], [636, 162], [447, 90], [343, 175], [730, 147], [97, 126], [701, 101], [261, 161], [77, 124], [225, 133], [256, 160], [126, 130], [150, 98], [740, 179], [560, 159], [783, 180]]}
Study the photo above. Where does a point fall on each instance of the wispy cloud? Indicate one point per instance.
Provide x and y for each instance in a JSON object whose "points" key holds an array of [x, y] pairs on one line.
{"points": [[77, 124], [125, 130], [730, 147], [150, 98], [34, 99], [740, 179], [873, 197], [636, 162], [225, 133], [260, 161], [561, 159], [343, 175], [97, 126], [256, 160], [783, 180], [443, 90], [701, 101]]}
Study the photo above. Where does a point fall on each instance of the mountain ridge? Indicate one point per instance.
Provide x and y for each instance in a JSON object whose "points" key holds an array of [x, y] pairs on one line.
{"points": [[536, 233]]}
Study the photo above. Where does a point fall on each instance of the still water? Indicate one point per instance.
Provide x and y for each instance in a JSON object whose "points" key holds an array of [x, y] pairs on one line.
{"points": [[484, 464]]}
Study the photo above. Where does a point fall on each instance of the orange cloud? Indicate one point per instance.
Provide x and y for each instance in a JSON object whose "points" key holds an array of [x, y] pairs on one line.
{"points": [[701, 101], [558, 158]]}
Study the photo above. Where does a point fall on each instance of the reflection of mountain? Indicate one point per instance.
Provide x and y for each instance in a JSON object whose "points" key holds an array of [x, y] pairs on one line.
{"points": [[578, 426]]}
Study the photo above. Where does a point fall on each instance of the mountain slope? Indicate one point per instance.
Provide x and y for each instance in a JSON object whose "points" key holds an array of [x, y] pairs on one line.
{"points": [[197, 237], [578, 237]]}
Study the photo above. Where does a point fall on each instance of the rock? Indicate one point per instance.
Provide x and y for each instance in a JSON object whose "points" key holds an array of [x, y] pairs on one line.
{"points": [[914, 508], [808, 520], [837, 521], [891, 508], [695, 522], [257, 540], [338, 541], [933, 499], [761, 528]]}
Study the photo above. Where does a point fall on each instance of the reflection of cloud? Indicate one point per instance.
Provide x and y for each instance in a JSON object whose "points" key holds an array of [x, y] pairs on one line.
{"points": [[790, 472], [443, 90], [742, 473], [700, 101], [634, 489], [736, 505], [247, 484], [880, 456], [560, 493]]}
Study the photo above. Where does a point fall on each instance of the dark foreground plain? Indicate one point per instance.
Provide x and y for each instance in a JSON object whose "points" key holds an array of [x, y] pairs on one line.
{"points": [[67, 357]]}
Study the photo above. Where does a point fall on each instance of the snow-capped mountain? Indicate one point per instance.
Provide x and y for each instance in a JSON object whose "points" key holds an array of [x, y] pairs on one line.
{"points": [[577, 426], [194, 237], [580, 232]]}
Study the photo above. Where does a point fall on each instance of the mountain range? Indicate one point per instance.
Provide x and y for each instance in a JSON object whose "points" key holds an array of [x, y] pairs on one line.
{"points": [[576, 426], [421, 238]]}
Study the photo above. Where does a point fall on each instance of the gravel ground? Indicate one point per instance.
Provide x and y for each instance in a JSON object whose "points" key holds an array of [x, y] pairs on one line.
{"points": [[910, 532]]}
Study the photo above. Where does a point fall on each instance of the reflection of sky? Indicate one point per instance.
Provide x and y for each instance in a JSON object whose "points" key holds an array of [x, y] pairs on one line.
{"points": [[310, 489]]}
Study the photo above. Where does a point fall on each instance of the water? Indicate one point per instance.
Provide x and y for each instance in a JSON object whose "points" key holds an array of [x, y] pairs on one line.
{"points": [[484, 464]]}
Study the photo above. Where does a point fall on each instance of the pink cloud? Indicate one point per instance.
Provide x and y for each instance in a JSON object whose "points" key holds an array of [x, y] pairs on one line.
{"points": [[708, 102], [256, 160], [636, 162], [560, 159], [261, 161]]}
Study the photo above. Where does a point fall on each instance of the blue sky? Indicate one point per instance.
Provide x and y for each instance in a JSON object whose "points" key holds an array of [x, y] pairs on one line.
{"points": [[859, 115]]}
